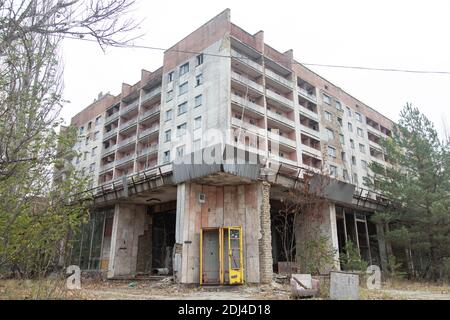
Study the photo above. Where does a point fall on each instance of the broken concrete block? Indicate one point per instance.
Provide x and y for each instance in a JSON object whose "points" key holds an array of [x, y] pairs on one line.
{"points": [[344, 286], [303, 286]]}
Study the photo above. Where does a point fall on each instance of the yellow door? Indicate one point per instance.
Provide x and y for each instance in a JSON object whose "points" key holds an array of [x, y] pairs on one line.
{"points": [[236, 268]]}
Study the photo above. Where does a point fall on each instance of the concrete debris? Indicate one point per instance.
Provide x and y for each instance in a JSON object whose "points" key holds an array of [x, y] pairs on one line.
{"points": [[344, 285], [304, 286], [166, 282], [281, 278]]}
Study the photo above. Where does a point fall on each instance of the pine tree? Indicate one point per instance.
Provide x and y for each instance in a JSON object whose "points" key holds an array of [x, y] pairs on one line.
{"points": [[417, 182]]}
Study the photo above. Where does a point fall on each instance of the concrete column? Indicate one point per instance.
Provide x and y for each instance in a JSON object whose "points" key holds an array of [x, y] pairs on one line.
{"points": [[382, 247], [265, 242], [319, 223], [128, 225]]}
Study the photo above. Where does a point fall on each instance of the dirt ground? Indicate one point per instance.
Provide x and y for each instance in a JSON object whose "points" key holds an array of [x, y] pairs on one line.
{"points": [[148, 290]]}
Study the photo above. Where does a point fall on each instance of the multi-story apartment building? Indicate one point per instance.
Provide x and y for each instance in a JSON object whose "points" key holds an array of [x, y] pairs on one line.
{"points": [[221, 84]]}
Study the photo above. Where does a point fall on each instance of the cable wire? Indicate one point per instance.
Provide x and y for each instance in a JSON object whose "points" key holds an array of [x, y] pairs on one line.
{"points": [[132, 46]]}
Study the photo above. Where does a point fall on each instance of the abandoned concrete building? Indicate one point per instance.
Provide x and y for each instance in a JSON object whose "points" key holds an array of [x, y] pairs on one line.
{"points": [[215, 223]]}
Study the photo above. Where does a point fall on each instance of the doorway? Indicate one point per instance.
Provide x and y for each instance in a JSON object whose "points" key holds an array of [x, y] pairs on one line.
{"points": [[221, 256]]}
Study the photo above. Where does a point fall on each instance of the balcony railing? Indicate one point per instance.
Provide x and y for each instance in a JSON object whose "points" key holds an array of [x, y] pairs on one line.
{"points": [[311, 150], [129, 107], [308, 113], [246, 81], [126, 141], [282, 159], [312, 132], [109, 149], [129, 123], [275, 96], [110, 134], [280, 118], [151, 94], [281, 139], [148, 131], [149, 113], [306, 94], [112, 117], [245, 125], [246, 60], [248, 104], [107, 166], [278, 78], [147, 151], [125, 159], [249, 148]]}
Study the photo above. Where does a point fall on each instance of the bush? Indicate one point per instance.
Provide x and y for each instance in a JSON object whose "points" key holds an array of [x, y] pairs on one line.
{"points": [[351, 259]]}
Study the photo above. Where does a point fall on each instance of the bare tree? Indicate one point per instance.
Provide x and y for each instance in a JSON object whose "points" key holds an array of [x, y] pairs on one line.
{"points": [[34, 212], [102, 20], [30, 72], [304, 205]]}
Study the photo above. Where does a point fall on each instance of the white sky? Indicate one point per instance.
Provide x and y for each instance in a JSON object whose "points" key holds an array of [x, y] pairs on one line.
{"points": [[392, 34]]}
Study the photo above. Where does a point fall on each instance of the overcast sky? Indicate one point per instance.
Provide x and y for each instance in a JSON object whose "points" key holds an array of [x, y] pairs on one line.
{"points": [[387, 34]]}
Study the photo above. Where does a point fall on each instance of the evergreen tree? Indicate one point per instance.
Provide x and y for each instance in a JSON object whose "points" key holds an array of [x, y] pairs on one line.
{"points": [[417, 182]]}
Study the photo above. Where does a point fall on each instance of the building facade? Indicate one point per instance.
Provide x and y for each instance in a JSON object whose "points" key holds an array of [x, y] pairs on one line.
{"points": [[222, 86]]}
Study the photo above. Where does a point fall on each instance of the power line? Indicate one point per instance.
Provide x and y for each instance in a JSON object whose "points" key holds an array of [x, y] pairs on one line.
{"points": [[130, 46]]}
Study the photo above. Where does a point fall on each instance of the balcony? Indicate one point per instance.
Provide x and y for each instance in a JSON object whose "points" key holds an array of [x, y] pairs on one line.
{"points": [[107, 167], [308, 113], [247, 82], [111, 118], [148, 132], [248, 104], [284, 140], [127, 141], [128, 124], [151, 94], [279, 98], [124, 159], [109, 134], [311, 151], [248, 126], [310, 131], [374, 131], [305, 94], [108, 150], [278, 78], [149, 113], [130, 107], [281, 118], [249, 148], [246, 60], [282, 159], [147, 151]]}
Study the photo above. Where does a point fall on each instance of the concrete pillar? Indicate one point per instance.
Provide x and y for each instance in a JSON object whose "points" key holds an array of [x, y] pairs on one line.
{"points": [[311, 226], [128, 225], [265, 242], [382, 247]]}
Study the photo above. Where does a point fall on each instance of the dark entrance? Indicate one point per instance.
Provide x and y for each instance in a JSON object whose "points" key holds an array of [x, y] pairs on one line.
{"points": [[163, 239]]}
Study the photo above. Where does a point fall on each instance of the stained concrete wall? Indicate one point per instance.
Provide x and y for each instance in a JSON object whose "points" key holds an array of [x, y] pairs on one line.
{"points": [[320, 221], [129, 224], [224, 206]]}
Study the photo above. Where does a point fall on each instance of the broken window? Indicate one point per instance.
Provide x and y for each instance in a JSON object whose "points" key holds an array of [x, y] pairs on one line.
{"points": [[91, 245], [184, 68], [199, 59]]}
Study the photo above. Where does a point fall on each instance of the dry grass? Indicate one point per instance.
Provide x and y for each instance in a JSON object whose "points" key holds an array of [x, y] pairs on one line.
{"points": [[401, 284], [46, 289], [95, 289]]}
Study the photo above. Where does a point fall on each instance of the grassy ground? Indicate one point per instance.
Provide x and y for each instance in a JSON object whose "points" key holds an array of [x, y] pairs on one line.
{"points": [[93, 290]]}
